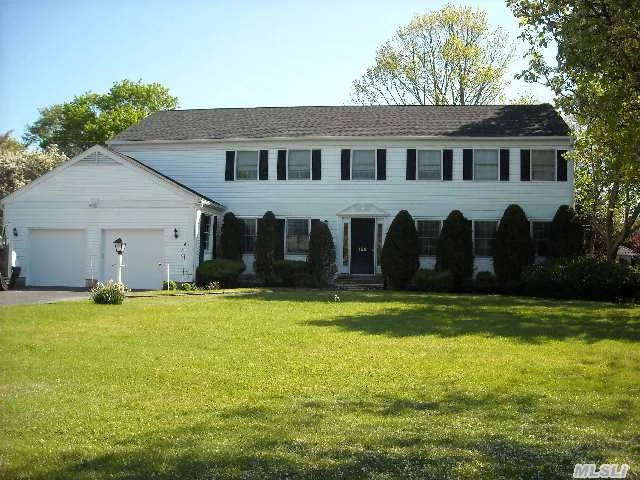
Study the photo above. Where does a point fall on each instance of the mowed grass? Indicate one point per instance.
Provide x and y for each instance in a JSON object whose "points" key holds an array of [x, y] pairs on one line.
{"points": [[290, 384]]}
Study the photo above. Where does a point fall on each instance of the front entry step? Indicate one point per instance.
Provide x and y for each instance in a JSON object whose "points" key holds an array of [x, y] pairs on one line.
{"points": [[359, 282]]}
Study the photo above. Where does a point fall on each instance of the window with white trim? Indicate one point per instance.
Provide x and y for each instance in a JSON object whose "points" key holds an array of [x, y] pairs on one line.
{"points": [[246, 165], [363, 164], [298, 235], [428, 233], [540, 233], [543, 165], [299, 165], [429, 165], [485, 164], [249, 234], [484, 234]]}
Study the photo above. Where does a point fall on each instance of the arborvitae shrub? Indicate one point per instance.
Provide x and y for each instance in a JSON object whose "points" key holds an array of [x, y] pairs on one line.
{"points": [[231, 237], [566, 235], [401, 250], [266, 247], [322, 253], [513, 248], [455, 248]]}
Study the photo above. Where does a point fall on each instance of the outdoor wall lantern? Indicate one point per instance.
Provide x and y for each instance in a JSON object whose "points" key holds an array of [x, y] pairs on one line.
{"points": [[15, 232], [175, 233]]}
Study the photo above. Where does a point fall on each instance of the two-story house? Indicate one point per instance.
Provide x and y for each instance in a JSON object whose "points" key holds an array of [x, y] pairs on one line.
{"points": [[352, 167]]}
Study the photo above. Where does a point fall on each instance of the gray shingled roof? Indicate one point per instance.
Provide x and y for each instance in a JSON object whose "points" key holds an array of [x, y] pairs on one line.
{"points": [[348, 121]]}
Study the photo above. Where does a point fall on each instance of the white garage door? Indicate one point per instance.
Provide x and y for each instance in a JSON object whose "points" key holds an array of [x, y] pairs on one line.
{"points": [[56, 257], [143, 252]]}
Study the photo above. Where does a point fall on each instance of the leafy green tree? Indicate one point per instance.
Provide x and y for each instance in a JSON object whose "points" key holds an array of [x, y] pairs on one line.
{"points": [[93, 118], [596, 80], [322, 253], [401, 250], [566, 235], [266, 244], [231, 237], [447, 57], [513, 248], [454, 252]]}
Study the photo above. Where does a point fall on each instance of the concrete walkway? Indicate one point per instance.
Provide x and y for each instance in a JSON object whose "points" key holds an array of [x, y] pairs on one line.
{"points": [[41, 295]]}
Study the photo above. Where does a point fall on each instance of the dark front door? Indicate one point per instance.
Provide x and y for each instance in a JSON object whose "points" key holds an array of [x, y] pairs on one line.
{"points": [[362, 232]]}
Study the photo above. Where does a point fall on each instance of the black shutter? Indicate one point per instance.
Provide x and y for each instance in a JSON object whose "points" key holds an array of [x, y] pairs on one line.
{"points": [[411, 163], [282, 164], [381, 159], [316, 165], [467, 164], [447, 164], [345, 161], [229, 169], [214, 242], [561, 166], [504, 165], [263, 166], [525, 165], [279, 254]]}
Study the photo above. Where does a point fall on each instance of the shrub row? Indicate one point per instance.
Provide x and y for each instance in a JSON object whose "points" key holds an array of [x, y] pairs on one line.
{"points": [[221, 270]]}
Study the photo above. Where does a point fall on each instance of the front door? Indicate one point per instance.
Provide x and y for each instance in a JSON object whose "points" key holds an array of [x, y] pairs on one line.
{"points": [[362, 233]]}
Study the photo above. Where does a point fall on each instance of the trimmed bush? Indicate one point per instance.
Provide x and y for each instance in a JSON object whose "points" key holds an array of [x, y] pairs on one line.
{"points": [[266, 240], [322, 253], [400, 252], [581, 277], [172, 285], [221, 270], [485, 282], [434, 281], [188, 287], [285, 270], [566, 236], [455, 248], [231, 237], [110, 293], [513, 248]]}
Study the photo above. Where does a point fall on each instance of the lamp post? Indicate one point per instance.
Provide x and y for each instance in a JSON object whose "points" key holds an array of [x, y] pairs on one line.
{"points": [[120, 245]]}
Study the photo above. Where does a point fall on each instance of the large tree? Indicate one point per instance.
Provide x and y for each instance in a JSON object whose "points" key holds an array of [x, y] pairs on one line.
{"points": [[447, 57], [596, 80], [19, 166], [93, 118]]}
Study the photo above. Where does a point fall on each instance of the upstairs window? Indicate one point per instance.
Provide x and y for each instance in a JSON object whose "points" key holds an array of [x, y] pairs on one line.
{"points": [[246, 165], [428, 233], [540, 235], [429, 165], [543, 165], [485, 164], [298, 236], [484, 234], [363, 165], [299, 165], [249, 233]]}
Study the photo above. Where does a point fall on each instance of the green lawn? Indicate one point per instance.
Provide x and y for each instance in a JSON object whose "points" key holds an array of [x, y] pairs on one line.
{"points": [[293, 385]]}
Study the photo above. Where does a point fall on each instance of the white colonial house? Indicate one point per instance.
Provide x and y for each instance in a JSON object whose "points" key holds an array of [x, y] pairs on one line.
{"points": [[164, 184]]}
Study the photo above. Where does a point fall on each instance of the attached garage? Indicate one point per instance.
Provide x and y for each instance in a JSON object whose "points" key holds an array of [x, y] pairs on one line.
{"points": [[57, 257], [64, 223]]}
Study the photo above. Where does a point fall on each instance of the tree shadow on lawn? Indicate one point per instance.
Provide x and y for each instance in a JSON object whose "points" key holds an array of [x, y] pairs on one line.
{"points": [[451, 316], [282, 443]]}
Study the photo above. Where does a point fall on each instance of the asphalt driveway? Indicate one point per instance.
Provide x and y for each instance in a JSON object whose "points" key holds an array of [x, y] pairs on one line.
{"points": [[41, 295]]}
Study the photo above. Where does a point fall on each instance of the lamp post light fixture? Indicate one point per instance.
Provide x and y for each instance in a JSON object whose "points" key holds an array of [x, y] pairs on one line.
{"points": [[120, 246], [175, 233]]}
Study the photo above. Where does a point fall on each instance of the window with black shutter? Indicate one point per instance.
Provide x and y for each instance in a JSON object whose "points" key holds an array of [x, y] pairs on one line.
{"points": [[411, 164], [447, 164], [345, 164]]}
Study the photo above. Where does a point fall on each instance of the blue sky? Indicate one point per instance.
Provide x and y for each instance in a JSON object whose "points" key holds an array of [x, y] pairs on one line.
{"points": [[209, 53]]}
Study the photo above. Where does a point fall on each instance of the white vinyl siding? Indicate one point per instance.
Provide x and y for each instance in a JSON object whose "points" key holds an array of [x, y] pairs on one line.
{"points": [[428, 233], [299, 165], [246, 165], [298, 235], [485, 164], [543, 165], [249, 234], [363, 164], [484, 234], [429, 165]]}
